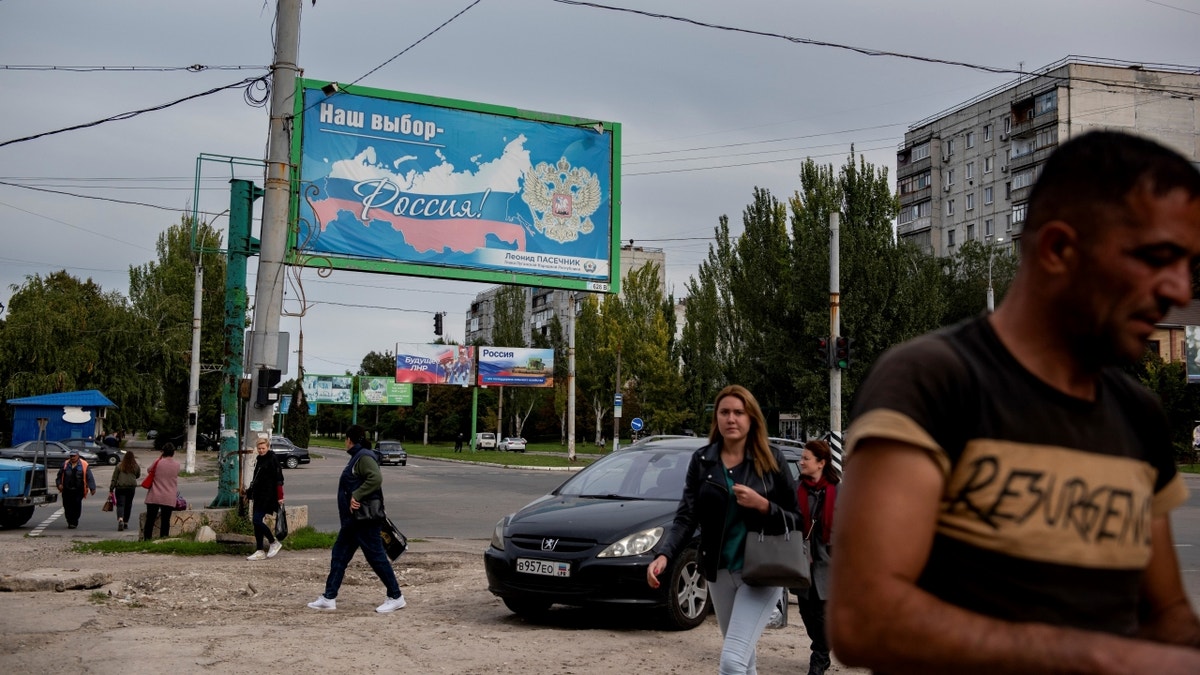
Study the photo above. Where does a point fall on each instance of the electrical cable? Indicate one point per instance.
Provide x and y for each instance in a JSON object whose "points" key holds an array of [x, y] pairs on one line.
{"points": [[134, 113]]}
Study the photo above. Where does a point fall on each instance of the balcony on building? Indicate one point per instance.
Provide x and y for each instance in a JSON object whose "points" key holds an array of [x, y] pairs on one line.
{"points": [[913, 226]]}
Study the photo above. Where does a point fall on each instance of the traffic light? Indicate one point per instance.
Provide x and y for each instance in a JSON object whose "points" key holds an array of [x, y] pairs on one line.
{"points": [[268, 387], [841, 352], [823, 351], [437, 323]]}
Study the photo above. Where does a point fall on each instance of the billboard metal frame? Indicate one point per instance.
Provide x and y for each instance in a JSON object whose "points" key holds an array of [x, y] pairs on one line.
{"points": [[325, 261]]}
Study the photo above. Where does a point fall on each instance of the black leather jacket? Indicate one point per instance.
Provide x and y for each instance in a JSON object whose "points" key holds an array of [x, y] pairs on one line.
{"points": [[706, 497]]}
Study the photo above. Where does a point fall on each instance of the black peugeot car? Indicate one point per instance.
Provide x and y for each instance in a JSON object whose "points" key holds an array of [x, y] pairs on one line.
{"points": [[588, 542]]}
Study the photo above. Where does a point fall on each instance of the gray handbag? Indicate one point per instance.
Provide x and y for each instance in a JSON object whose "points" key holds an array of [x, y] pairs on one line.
{"points": [[777, 559]]}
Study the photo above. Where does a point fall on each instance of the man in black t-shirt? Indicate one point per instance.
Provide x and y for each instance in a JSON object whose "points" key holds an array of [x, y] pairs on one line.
{"points": [[1007, 488]]}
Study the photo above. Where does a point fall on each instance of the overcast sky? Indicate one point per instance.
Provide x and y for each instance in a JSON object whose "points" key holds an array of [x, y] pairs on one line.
{"points": [[707, 114]]}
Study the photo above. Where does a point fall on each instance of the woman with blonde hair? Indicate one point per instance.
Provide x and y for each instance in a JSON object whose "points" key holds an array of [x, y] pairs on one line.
{"points": [[736, 484]]}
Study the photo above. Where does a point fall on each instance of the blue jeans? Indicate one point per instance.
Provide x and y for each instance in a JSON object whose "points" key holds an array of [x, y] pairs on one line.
{"points": [[261, 531], [356, 535], [742, 614]]}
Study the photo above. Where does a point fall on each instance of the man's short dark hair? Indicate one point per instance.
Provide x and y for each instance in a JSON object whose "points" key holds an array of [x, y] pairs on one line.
{"points": [[1095, 172], [356, 434]]}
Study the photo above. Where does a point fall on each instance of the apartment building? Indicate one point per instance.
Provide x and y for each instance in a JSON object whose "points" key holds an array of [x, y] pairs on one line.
{"points": [[543, 304], [965, 174]]}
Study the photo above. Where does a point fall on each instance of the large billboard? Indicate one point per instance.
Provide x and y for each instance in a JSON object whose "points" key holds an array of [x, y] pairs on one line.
{"points": [[435, 364], [384, 391], [328, 388], [410, 184], [516, 367]]}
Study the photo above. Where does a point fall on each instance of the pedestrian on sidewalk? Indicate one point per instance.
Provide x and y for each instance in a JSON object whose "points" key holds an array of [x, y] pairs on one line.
{"points": [[162, 495], [266, 496], [817, 496], [74, 481], [361, 483], [124, 486]]}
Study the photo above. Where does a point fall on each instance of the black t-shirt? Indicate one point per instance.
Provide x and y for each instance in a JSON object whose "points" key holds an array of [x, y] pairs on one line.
{"points": [[1048, 499]]}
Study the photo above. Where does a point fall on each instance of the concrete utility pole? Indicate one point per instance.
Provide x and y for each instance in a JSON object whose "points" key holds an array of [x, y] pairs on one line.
{"points": [[268, 292], [616, 415], [991, 295], [194, 379], [835, 373], [571, 376]]}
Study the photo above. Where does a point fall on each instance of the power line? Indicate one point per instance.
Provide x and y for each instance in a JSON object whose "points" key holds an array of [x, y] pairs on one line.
{"points": [[247, 83], [77, 227], [99, 199], [765, 161], [773, 140], [195, 68]]}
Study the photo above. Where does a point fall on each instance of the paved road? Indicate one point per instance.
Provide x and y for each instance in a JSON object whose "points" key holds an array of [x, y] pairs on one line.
{"points": [[427, 498]]}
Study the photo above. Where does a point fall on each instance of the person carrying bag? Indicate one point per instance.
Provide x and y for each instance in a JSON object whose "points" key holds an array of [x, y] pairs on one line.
{"points": [[266, 494], [817, 495]]}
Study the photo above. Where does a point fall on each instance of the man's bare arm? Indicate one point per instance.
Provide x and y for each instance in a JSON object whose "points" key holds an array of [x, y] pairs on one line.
{"points": [[1168, 614], [879, 618]]}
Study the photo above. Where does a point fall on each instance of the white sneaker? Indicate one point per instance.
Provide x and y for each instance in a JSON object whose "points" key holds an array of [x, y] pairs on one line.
{"points": [[275, 546], [391, 605], [257, 555], [323, 602]]}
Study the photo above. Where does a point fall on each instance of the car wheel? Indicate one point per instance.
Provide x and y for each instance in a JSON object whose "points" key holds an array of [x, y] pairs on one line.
{"points": [[292, 462], [15, 516], [527, 608], [112, 460], [688, 599], [404, 463]]}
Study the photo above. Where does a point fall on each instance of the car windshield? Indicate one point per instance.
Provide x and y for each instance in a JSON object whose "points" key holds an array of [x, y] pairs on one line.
{"points": [[631, 475]]}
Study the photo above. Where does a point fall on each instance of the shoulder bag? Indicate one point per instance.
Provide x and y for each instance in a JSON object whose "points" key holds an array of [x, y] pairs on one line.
{"points": [[394, 541], [777, 559], [149, 480]]}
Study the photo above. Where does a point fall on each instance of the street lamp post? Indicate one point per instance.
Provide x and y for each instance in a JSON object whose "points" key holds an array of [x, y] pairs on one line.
{"points": [[991, 296]]}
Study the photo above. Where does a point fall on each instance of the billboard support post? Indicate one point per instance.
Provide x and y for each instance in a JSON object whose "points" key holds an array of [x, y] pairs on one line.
{"points": [[571, 376]]}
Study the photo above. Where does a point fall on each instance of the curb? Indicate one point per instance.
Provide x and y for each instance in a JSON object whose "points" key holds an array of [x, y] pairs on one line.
{"points": [[501, 466]]}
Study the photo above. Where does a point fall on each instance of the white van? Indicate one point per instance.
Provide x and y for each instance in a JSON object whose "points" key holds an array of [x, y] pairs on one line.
{"points": [[485, 441]]}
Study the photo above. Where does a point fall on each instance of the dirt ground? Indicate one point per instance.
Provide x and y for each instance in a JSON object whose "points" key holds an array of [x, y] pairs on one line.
{"points": [[168, 614]]}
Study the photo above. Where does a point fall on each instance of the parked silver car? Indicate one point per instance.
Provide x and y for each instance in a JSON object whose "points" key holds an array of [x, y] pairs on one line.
{"points": [[53, 454]]}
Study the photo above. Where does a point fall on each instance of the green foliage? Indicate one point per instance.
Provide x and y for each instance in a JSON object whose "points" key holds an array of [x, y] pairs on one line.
{"points": [[1180, 401], [304, 538]]}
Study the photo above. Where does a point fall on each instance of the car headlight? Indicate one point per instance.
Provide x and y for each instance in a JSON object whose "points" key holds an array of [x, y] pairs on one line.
{"points": [[634, 544], [498, 534]]}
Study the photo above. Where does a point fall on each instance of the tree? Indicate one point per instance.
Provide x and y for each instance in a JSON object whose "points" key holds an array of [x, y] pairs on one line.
{"points": [[161, 294], [64, 334]]}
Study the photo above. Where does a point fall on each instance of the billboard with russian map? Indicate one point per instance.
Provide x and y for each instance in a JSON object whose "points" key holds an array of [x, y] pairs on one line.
{"points": [[416, 185], [516, 367]]}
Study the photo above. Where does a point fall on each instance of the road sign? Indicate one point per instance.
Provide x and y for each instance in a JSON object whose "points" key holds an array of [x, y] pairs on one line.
{"points": [[635, 424], [617, 400]]}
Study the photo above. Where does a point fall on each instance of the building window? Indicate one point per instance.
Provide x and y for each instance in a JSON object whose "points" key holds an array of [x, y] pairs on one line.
{"points": [[913, 183], [1022, 179], [988, 193], [970, 139], [970, 231], [970, 206], [970, 171], [1008, 189], [987, 228], [948, 147], [987, 132], [1045, 103], [949, 207], [918, 210], [949, 177], [950, 237], [920, 151], [1047, 138], [1007, 123], [988, 163], [1154, 347], [1018, 213], [1008, 222]]}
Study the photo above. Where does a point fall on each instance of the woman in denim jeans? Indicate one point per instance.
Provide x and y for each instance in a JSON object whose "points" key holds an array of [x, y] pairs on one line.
{"points": [[736, 484]]}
